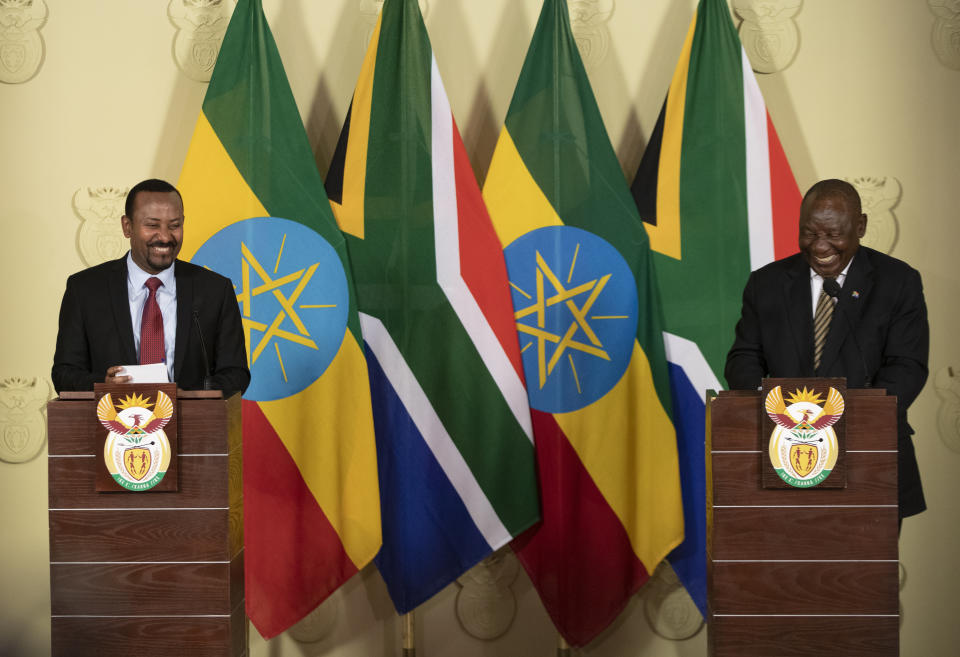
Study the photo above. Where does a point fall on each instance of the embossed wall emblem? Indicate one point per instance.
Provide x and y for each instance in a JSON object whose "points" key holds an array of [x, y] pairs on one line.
{"points": [[21, 47], [201, 25], [23, 410], [768, 32], [319, 623], [669, 609], [100, 237], [486, 605], [588, 20], [946, 31], [879, 196], [370, 11], [947, 385]]}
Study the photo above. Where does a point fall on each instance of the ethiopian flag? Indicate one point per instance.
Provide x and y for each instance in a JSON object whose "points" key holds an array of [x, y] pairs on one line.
{"points": [[259, 214], [454, 436], [588, 315], [717, 196]]}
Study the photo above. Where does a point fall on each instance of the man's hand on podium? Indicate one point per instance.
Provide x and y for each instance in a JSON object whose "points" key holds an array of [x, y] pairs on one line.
{"points": [[115, 375]]}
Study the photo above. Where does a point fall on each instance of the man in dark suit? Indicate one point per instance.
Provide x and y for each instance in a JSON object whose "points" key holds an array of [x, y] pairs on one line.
{"points": [[105, 308], [882, 301]]}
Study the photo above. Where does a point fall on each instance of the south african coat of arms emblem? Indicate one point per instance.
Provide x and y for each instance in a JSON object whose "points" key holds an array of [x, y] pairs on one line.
{"points": [[136, 451], [803, 446]]}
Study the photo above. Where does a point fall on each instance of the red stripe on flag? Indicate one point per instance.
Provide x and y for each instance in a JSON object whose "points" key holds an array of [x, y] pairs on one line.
{"points": [[785, 197], [293, 558], [481, 256], [579, 557]]}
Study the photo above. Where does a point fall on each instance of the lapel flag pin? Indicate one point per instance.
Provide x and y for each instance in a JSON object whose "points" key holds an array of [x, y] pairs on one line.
{"points": [[855, 294]]}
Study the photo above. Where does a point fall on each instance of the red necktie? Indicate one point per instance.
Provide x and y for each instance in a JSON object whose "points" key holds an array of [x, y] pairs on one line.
{"points": [[152, 349]]}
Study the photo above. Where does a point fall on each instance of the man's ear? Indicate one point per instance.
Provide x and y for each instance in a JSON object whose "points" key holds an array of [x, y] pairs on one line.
{"points": [[862, 225], [127, 224]]}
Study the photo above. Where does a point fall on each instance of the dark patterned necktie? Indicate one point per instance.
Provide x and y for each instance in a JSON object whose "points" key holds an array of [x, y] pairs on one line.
{"points": [[152, 349], [821, 326]]}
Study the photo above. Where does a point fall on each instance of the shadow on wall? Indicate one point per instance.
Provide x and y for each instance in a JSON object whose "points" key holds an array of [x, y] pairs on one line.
{"points": [[339, 70], [780, 105], [186, 101], [655, 77]]}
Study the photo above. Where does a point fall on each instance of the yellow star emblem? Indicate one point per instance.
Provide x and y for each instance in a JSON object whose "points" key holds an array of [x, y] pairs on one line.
{"points": [[288, 305], [542, 300]]}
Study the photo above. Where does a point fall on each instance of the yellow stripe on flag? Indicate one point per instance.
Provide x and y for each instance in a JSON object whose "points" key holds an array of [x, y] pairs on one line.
{"points": [[516, 203], [349, 213], [648, 485], [312, 426], [665, 235], [215, 195]]}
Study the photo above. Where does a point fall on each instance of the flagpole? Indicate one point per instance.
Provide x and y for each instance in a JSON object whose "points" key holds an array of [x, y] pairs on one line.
{"points": [[406, 635], [563, 648]]}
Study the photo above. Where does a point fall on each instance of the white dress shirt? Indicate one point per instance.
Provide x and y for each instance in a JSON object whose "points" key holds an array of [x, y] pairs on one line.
{"points": [[816, 285], [137, 294]]}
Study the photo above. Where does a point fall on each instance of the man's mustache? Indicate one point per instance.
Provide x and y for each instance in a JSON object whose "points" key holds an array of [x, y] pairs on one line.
{"points": [[161, 244]]}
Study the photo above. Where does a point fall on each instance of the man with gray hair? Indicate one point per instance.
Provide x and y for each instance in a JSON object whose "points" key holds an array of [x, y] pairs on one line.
{"points": [[782, 334]]}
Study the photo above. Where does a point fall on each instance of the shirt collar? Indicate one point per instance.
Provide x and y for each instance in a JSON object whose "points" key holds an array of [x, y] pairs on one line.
{"points": [[136, 277]]}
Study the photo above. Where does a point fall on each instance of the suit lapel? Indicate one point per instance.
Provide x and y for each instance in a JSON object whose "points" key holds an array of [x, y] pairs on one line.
{"points": [[853, 295], [184, 317], [796, 298], [120, 304]]}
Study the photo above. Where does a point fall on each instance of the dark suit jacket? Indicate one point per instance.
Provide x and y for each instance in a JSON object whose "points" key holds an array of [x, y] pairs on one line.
{"points": [[96, 331], [883, 299]]}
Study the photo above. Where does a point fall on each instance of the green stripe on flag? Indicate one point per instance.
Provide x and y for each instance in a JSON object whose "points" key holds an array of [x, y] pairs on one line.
{"points": [[396, 273], [290, 186], [715, 261]]}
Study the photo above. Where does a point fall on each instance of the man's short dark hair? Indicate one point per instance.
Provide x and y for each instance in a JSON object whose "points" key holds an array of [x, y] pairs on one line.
{"points": [[149, 185], [836, 188]]}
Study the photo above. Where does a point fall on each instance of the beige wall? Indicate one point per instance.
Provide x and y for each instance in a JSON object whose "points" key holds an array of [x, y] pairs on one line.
{"points": [[866, 95]]}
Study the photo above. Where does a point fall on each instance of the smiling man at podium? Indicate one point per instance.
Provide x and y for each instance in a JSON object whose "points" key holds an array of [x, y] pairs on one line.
{"points": [[148, 307], [838, 309]]}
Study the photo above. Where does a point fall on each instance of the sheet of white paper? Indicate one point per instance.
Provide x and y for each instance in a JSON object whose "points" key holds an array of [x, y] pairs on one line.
{"points": [[153, 373]]}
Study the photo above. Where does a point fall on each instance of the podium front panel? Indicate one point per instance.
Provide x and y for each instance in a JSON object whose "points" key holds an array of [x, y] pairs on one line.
{"points": [[148, 573], [765, 636], [802, 572]]}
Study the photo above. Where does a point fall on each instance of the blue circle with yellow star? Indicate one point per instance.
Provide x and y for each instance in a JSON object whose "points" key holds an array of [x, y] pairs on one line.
{"points": [[575, 306], [293, 297]]}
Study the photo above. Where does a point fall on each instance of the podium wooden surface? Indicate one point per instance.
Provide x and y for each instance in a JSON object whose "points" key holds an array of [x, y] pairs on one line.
{"points": [[802, 572], [147, 573]]}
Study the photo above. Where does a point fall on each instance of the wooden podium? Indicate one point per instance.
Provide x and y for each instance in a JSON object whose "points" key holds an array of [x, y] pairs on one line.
{"points": [[802, 572], [147, 573]]}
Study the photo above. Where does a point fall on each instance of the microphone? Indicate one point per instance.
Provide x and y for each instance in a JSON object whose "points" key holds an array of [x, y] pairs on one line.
{"points": [[832, 288], [208, 377]]}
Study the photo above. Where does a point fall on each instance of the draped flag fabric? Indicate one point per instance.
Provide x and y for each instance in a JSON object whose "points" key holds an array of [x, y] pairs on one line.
{"points": [[454, 437], [258, 214], [718, 199], [587, 312]]}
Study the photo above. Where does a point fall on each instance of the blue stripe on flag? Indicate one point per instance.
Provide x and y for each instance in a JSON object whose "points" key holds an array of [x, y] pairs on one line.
{"points": [[689, 559], [429, 538]]}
